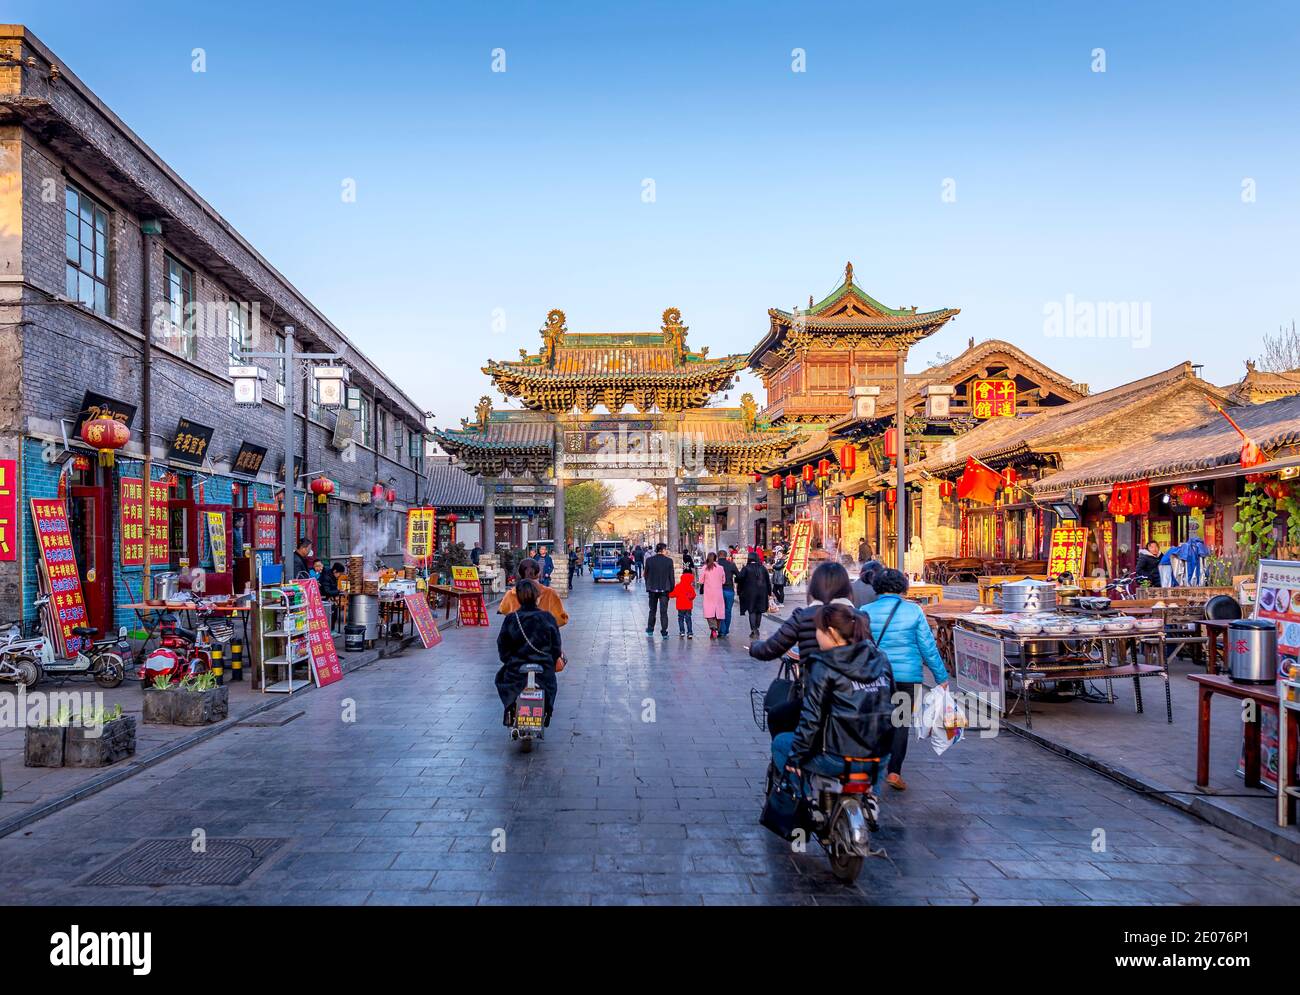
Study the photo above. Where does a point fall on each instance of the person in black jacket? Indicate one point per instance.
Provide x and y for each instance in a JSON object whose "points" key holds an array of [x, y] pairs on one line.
{"points": [[754, 588], [528, 635], [660, 579], [1148, 564], [847, 702], [830, 583]]}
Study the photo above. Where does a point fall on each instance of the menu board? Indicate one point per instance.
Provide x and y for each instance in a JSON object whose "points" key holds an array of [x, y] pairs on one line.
{"points": [[425, 624], [1278, 600], [8, 509], [325, 666], [131, 505], [217, 539], [67, 606], [1069, 547], [264, 530], [797, 563], [980, 666], [473, 610], [421, 527]]}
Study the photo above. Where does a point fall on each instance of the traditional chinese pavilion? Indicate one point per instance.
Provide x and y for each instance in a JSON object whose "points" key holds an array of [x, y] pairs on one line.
{"points": [[669, 436]]}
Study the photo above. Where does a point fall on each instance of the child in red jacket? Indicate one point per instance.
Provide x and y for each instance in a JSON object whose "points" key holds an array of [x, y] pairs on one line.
{"points": [[684, 593]]}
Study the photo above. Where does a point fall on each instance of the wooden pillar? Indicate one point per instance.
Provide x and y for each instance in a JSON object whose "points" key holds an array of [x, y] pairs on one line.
{"points": [[670, 500]]}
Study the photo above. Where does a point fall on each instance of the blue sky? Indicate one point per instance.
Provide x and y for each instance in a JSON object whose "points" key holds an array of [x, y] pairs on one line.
{"points": [[522, 191]]}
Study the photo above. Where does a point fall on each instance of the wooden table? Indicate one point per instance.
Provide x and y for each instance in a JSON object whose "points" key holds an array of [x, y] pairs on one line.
{"points": [[1208, 685], [1214, 628], [929, 593], [235, 610]]}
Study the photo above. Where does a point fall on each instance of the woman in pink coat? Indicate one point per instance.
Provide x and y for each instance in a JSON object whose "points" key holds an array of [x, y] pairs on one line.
{"points": [[715, 607]]}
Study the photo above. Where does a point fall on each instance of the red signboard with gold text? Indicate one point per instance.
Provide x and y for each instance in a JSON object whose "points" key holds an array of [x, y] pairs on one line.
{"points": [[132, 526], [325, 666], [993, 398], [473, 610], [425, 624], [67, 606], [8, 509], [421, 530]]}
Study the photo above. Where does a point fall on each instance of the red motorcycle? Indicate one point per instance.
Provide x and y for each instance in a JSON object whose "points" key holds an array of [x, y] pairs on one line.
{"points": [[180, 653]]}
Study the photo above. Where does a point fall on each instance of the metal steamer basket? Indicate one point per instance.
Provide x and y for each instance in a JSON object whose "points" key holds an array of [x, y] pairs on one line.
{"points": [[1029, 596]]}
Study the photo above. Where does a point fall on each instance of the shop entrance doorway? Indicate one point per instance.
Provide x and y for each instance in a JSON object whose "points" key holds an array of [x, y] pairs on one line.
{"points": [[92, 545]]}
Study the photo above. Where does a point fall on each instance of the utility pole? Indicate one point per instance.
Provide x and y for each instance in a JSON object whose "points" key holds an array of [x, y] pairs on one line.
{"points": [[900, 506], [148, 228]]}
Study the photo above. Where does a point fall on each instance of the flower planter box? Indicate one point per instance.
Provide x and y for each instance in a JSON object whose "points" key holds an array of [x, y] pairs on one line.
{"points": [[44, 746], [197, 708], [91, 747], [160, 706]]}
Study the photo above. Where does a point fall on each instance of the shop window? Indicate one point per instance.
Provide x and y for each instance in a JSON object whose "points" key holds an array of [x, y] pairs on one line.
{"points": [[359, 404], [85, 230], [237, 331], [179, 291], [279, 370]]}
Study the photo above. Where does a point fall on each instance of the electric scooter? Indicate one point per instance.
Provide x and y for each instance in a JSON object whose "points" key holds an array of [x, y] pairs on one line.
{"points": [[530, 710]]}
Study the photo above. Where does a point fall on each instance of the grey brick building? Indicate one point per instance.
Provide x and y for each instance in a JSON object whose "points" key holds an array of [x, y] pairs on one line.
{"points": [[100, 243]]}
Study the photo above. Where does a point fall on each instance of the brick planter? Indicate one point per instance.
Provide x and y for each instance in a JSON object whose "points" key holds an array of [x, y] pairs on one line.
{"points": [[198, 708], [115, 741], [44, 746]]}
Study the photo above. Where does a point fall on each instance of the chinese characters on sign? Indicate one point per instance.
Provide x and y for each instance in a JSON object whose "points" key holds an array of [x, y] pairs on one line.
{"points": [[418, 605], [264, 531], [8, 509], [993, 398], [421, 527], [325, 664], [190, 444], [95, 406], [1069, 547], [800, 540], [67, 608], [217, 539], [248, 460], [132, 513], [980, 666], [473, 611]]}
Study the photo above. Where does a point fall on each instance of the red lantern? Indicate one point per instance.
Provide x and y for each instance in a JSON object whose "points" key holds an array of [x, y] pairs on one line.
{"points": [[848, 458], [451, 519], [807, 473], [1009, 476], [390, 495], [377, 492], [774, 482], [891, 444], [790, 481], [322, 487], [823, 468], [757, 477], [848, 503], [234, 490], [1192, 498], [891, 496], [107, 435], [945, 489], [1277, 489]]}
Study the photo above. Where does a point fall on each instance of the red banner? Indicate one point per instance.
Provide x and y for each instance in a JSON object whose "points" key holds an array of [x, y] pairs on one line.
{"points": [[425, 624], [131, 503], [325, 664], [8, 509], [67, 607]]}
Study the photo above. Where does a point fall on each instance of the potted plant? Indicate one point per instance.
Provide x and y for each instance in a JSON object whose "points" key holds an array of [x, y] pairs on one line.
{"points": [[99, 739], [44, 743], [201, 700], [160, 701]]}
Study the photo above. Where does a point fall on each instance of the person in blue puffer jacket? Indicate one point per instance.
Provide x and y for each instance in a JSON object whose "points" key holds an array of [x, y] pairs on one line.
{"points": [[903, 635]]}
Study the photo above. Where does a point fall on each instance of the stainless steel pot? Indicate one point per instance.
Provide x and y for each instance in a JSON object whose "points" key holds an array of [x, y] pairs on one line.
{"points": [[363, 609], [1252, 651], [165, 586], [1028, 596]]}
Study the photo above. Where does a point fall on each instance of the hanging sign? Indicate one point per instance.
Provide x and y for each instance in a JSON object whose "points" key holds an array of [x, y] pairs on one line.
{"points": [[325, 666], [421, 527], [67, 606], [1069, 547], [248, 461], [131, 505], [264, 520], [473, 610], [94, 406], [800, 541], [993, 398], [8, 509], [217, 539], [190, 443], [425, 624]]}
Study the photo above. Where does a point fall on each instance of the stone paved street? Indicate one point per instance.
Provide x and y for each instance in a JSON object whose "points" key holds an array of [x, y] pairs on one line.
{"points": [[401, 806]]}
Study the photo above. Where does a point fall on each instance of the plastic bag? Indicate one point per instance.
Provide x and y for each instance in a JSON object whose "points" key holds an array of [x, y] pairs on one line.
{"points": [[941, 720]]}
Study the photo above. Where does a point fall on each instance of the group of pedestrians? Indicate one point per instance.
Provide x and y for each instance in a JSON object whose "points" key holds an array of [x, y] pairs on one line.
{"points": [[722, 588], [894, 628]]}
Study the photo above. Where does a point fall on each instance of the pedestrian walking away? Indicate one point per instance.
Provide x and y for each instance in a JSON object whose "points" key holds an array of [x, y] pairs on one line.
{"points": [[712, 578], [903, 635], [547, 600], [684, 597], [729, 571], [754, 590], [660, 579]]}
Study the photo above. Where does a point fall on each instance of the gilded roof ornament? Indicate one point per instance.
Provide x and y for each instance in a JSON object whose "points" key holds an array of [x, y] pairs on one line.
{"points": [[848, 272], [748, 410], [552, 335], [483, 409], [675, 332]]}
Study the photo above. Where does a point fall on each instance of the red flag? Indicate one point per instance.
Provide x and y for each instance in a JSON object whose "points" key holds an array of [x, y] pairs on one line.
{"points": [[978, 482]]}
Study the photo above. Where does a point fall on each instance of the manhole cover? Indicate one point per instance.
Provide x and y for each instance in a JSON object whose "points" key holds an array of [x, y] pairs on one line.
{"points": [[156, 863]]}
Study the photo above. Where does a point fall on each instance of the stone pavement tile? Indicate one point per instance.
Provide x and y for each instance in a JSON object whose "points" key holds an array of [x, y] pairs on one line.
{"points": [[982, 902], [1056, 870], [1215, 893], [388, 880], [422, 898], [542, 863], [765, 899], [385, 844], [317, 863], [673, 900], [1125, 870], [647, 863], [947, 867], [1026, 889], [1132, 891], [696, 884], [502, 898]]}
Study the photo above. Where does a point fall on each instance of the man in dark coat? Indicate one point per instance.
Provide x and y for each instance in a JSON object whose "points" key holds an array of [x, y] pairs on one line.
{"points": [[528, 635], [753, 588], [301, 560], [660, 579], [729, 572]]}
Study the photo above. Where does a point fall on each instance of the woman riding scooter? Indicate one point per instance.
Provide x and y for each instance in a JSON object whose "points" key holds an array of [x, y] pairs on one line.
{"points": [[528, 635]]}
